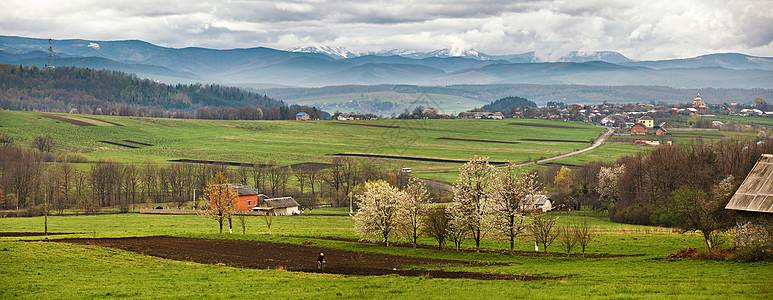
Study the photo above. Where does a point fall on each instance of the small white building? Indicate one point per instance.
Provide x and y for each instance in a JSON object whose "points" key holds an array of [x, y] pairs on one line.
{"points": [[283, 206]]}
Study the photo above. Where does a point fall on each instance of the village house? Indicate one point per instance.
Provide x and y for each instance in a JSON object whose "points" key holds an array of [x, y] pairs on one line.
{"points": [[247, 196], [638, 129], [660, 131], [647, 121], [753, 203], [302, 116], [481, 115], [539, 202]]}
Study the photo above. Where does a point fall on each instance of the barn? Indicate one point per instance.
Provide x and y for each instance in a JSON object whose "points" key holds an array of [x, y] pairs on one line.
{"points": [[283, 206], [753, 203]]}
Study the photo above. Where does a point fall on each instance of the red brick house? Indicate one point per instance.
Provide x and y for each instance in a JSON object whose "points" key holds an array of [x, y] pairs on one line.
{"points": [[248, 197], [638, 129]]}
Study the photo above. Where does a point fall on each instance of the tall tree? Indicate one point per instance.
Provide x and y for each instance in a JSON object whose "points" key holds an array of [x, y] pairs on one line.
{"points": [[472, 196], [510, 188], [381, 208], [415, 207]]}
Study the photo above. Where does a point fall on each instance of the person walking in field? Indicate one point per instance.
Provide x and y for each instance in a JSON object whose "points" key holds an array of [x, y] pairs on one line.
{"points": [[321, 261]]}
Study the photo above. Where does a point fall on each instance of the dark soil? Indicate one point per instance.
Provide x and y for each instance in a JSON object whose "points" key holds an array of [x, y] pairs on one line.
{"points": [[368, 125], [631, 139], [103, 121], [558, 141], [290, 257], [544, 125], [440, 160], [22, 234], [138, 143], [214, 162], [562, 165], [507, 252], [471, 140], [311, 166], [71, 121], [119, 144]]}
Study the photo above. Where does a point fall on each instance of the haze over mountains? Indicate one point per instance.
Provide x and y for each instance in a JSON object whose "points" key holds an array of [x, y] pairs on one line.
{"points": [[302, 71], [325, 66]]}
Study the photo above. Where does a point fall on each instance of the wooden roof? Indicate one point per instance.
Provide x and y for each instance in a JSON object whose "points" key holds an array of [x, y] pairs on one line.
{"points": [[282, 202], [756, 191]]}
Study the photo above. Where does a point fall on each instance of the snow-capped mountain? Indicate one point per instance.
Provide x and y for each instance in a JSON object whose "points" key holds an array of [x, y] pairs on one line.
{"points": [[334, 52], [607, 56]]}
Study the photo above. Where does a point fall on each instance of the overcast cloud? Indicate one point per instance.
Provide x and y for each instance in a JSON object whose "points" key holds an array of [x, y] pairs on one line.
{"points": [[654, 29]]}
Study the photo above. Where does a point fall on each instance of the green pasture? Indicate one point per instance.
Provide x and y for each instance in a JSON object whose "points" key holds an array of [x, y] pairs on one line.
{"points": [[39, 269], [289, 142]]}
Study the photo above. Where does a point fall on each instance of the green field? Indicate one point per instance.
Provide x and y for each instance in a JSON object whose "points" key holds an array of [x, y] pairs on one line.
{"points": [[55, 270], [290, 142]]}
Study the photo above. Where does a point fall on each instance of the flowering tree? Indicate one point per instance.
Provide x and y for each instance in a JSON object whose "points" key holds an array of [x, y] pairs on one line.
{"points": [[415, 207], [221, 199], [471, 197], [382, 208], [510, 187], [607, 186]]}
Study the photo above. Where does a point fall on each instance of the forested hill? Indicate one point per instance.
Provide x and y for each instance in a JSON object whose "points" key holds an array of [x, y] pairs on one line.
{"points": [[63, 89]]}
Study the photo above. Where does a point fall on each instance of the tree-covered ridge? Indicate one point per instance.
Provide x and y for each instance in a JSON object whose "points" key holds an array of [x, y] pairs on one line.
{"points": [[64, 88], [508, 103]]}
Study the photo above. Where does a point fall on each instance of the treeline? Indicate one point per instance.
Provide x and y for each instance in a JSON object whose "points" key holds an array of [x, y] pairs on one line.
{"points": [[649, 189], [103, 92], [30, 180]]}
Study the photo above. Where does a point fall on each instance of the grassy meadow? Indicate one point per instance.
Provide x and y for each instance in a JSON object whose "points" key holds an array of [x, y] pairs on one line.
{"points": [[31, 268], [40, 269]]}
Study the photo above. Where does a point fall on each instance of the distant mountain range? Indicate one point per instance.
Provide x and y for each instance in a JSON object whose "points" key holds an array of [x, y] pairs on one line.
{"points": [[334, 66]]}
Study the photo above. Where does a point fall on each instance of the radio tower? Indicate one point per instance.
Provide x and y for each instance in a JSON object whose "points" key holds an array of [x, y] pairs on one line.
{"points": [[50, 55]]}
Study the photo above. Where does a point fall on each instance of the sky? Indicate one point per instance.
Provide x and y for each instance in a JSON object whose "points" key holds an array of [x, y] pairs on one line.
{"points": [[639, 29]]}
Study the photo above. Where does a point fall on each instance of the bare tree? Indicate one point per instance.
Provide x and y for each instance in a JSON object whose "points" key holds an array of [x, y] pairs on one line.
{"points": [[242, 218], [472, 196], [221, 199], [381, 208], [43, 143], [543, 228], [268, 217], [567, 238], [583, 234]]}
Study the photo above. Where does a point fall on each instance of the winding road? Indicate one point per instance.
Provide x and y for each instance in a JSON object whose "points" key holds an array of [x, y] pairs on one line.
{"points": [[595, 145]]}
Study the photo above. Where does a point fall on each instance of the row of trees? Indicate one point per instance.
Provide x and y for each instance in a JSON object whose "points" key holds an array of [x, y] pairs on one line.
{"points": [[488, 201], [28, 177]]}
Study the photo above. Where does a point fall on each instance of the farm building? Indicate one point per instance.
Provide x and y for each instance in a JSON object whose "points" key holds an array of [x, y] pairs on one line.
{"points": [[302, 116], [753, 203], [660, 131], [537, 202], [284, 206], [638, 129], [248, 197]]}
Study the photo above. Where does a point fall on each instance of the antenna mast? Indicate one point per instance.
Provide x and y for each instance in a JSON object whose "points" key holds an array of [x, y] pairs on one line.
{"points": [[50, 55]]}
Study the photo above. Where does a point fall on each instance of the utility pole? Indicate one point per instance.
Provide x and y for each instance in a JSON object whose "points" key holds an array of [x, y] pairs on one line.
{"points": [[50, 59]]}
